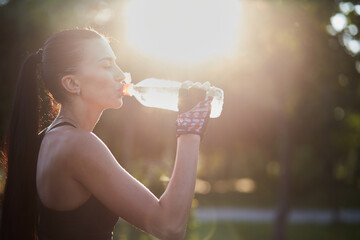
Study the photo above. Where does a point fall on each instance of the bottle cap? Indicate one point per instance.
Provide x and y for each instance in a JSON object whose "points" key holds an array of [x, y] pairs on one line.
{"points": [[126, 90]]}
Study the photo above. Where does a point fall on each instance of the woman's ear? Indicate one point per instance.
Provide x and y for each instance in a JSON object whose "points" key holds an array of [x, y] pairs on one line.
{"points": [[71, 84]]}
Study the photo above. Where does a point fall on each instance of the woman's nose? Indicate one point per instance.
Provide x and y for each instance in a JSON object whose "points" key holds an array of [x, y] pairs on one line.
{"points": [[120, 75]]}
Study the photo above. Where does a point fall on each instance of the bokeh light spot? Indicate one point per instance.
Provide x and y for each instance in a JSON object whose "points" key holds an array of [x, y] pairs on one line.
{"points": [[245, 185], [357, 9], [353, 46], [346, 7], [338, 21], [202, 187], [353, 29]]}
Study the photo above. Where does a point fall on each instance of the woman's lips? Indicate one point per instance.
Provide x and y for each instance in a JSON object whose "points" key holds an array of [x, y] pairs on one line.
{"points": [[121, 90]]}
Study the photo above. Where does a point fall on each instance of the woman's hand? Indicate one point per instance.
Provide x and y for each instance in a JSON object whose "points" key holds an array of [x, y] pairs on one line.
{"points": [[194, 112]]}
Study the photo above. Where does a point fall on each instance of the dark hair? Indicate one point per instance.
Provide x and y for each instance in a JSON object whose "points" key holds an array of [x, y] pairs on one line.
{"points": [[59, 56]]}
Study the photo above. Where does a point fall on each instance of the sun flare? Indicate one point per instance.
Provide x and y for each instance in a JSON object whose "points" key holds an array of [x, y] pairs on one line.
{"points": [[183, 30]]}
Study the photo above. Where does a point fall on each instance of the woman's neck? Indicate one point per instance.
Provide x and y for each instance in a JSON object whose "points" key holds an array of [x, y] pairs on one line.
{"points": [[83, 117]]}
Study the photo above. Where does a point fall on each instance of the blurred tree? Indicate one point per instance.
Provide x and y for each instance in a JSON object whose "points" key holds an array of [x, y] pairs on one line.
{"points": [[344, 168]]}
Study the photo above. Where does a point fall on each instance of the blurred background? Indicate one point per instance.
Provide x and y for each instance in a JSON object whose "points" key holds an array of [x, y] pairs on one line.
{"points": [[282, 161]]}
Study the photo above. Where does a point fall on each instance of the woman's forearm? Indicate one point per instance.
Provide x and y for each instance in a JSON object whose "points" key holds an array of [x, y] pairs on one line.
{"points": [[177, 198]]}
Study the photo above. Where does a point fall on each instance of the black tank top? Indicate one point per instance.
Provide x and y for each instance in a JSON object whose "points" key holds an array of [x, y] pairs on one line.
{"points": [[90, 221]]}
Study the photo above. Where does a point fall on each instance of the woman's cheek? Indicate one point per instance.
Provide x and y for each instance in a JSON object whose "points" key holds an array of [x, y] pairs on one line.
{"points": [[92, 85], [101, 81], [98, 83]]}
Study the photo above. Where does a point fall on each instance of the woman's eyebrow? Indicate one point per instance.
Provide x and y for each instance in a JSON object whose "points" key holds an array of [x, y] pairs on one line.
{"points": [[107, 58]]}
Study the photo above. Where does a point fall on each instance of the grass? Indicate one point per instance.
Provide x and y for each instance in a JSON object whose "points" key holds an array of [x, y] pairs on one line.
{"points": [[249, 231]]}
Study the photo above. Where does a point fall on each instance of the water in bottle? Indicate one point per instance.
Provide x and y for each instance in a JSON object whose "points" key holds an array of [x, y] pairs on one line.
{"points": [[159, 93]]}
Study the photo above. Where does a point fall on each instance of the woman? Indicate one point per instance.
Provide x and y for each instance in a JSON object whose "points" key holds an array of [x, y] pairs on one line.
{"points": [[64, 183]]}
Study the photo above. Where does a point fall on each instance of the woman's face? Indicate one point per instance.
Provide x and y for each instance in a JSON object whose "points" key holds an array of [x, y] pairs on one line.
{"points": [[100, 78]]}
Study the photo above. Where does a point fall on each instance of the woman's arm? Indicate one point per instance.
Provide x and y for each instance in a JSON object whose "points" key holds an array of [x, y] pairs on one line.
{"points": [[92, 164], [177, 198]]}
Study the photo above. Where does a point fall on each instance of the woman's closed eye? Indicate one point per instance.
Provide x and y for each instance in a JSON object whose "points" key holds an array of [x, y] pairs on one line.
{"points": [[107, 65]]}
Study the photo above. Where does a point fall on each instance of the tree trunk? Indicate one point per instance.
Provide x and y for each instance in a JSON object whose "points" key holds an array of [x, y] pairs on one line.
{"points": [[279, 232], [330, 183]]}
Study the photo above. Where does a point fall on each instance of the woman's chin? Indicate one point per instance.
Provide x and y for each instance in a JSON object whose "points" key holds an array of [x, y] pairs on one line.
{"points": [[115, 104], [119, 104]]}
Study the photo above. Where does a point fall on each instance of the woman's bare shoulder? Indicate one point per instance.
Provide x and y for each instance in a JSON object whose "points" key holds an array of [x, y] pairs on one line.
{"points": [[80, 142], [74, 146]]}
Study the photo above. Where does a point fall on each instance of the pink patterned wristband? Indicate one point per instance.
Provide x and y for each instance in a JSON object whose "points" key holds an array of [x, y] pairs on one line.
{"points": [[195, 120]]}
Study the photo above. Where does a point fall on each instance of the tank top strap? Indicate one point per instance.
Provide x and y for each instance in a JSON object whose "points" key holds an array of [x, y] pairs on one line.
{"points": [[61, 124], [45, 130]]}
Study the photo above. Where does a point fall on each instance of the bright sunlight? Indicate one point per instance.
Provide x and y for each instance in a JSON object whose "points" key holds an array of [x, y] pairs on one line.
{"points": [[183, 31]]}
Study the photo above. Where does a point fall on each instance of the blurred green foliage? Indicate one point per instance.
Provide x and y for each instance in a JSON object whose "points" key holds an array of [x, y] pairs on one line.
{"points": [[253, 231]]}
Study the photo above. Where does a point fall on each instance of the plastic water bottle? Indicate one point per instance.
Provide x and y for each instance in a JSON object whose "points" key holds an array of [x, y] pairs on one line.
{"points": [[158, 93]]}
